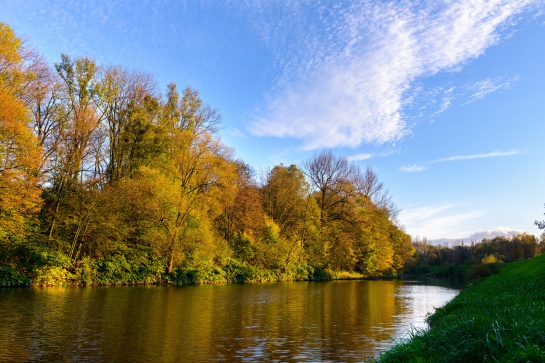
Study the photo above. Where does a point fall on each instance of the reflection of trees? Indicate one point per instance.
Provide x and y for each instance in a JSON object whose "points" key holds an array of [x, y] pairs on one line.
{"points": [[342, 320], [357, 314]]}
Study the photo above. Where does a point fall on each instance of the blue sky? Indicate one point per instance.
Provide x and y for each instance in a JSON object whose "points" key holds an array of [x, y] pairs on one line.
{"points": [[444, 99]]}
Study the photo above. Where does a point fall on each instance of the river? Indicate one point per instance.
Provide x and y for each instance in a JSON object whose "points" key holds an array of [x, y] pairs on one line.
{"points": [[334, 321]]}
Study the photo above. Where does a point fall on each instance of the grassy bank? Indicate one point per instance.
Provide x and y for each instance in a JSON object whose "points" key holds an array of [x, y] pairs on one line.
{"points": [[500, 319]]}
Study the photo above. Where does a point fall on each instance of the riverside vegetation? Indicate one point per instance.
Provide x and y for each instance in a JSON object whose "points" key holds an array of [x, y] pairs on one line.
{"points": [[472, 261], [104, 180], [499, 319]]}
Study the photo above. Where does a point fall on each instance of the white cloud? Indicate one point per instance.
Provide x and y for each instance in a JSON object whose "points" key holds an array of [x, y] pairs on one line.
{"points": [[441, 98], [416, 167], [478, 90], [448, 223], [346, 76], [498, 231], [478, 236], [476, 156], [437, 221], [412, 168], [360, 157], [446, 102]]}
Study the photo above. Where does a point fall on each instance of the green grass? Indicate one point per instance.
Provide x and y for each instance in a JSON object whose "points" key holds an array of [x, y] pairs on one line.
{"points": [[500, 319]]}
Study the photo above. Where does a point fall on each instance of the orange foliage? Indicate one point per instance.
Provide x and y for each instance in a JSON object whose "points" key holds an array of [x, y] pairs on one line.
{"points": [[19, 164]]}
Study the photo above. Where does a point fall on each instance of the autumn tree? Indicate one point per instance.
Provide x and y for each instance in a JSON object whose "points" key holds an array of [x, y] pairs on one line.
{"points": [[284, 197], [332, 178], [369, 186], [19, 150], [19, 165], [78, 139], [179, 190], [244, 214], [130, 105], [43, 98]]}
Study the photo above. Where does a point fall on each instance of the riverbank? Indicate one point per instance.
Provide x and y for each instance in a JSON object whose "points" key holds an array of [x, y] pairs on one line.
{"points": [[25, 266], [499, 319]]}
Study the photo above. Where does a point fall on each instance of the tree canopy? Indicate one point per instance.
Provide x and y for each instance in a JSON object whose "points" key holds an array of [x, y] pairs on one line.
{"points": [[97, 165]]}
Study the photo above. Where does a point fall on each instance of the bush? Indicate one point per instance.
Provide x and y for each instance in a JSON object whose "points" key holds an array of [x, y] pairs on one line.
{"points": [[298, 271], [483, 270], [321, 274], [242, 272], [28, 262], [187, 276], [125, 266]]}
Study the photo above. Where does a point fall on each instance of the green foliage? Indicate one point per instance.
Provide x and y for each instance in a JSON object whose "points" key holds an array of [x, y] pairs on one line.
{"points": [[297, 271], [321, 274], [473, 327], [210, 275], [27, 263], [86, 272], [243, 272], [131, 266], [244, 248], [483, 270]]}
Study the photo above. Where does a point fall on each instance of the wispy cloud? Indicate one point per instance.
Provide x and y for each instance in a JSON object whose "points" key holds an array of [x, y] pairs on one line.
{"points": [[237, 133], [446, 101], [492, 154], [346, 76], [360, 157], [439, 99], [438, 221], [479, 90], [412, 168], [420, 167]]}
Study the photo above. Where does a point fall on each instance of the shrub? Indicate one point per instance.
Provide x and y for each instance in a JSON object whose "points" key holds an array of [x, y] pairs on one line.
{"points": [[28, 262], [210, 275]]}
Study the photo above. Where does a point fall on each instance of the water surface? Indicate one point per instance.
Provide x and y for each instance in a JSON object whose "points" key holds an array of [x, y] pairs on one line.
{"points": [[295, 322]]}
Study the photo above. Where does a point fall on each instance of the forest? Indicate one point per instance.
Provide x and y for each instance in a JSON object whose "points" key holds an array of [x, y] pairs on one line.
{"points": [[106, 180], [474, 260]]}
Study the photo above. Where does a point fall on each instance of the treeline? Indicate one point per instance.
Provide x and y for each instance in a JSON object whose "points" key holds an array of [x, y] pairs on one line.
{"points": [[103, 179], [475, 259]]}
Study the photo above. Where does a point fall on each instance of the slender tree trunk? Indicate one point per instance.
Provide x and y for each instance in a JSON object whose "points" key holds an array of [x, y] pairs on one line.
{"points": [[55, 211]]}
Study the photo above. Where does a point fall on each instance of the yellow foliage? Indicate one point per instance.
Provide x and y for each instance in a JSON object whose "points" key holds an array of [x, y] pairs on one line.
{"points": [[490, 259]]}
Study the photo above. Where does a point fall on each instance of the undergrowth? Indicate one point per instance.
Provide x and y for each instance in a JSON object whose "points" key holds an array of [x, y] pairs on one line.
{"points": [[26, 264]]}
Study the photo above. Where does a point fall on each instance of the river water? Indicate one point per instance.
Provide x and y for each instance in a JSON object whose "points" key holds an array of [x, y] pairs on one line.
{"points": [[338, 321]]}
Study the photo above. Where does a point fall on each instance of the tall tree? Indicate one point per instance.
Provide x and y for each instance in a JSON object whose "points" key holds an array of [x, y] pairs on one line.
{"points": [[79, 139], [181, 187], [332, 178], [19, 165], [130, 106], [285, 197], [19, 150], [368, 185]]}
